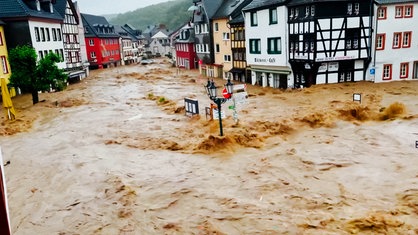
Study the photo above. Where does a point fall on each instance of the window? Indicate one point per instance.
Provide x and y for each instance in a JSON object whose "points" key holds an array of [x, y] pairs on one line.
{"points": [[217, 49], [387, 72], [274, 46], [292, 13], [406, 39], [356, 8], [404, 70], [54, 34], [205, 28], [380, 41], [352, 36], [307, 11], [93, 54], [59, 34], [408, 11], [225, 36], [399, 12], [273, 16], [227, 58], [349, 8], [381, 13], [40, 55], [48, 37], [396, 40], [254, 20], [91, 42], [255, 46], [216, 27], [309, 42], [38, 38], [4, 65], [312, 10], [43, 34], [1, 39]]}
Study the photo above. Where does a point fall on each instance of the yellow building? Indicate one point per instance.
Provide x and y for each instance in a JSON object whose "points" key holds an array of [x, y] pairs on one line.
{"points": [[5, 67], [222, 46]]}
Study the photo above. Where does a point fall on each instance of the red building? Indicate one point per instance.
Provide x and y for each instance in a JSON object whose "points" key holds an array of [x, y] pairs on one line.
{"points": [[185, 50], [102, 42]]}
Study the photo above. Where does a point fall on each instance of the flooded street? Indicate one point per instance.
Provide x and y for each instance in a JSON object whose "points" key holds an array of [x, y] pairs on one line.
{"points": [[115, 154]]}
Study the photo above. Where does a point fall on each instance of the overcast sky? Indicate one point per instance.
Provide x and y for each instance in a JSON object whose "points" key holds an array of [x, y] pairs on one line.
{"points": [[102, 7]]}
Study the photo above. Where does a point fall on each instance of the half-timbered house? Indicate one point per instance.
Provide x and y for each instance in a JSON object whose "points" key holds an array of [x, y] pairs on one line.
{"points": [[71, 40], [239, 60], [329, 41]]}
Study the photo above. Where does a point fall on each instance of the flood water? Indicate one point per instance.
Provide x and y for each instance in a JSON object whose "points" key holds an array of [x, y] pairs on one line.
{"points": [[115, 154]]}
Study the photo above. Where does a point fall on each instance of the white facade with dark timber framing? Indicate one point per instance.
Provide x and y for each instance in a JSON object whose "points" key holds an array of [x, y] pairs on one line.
{"points": [[266, 40], [396, 42], [329, 41], [71, 40]]}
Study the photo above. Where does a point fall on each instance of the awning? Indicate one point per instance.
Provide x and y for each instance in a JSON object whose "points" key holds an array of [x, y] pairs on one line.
{"points": [[237, 70], [271, 69]]}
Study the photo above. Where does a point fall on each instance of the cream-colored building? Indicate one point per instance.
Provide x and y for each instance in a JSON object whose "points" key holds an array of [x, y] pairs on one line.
{"points": [[222, 46], [222, 35]]}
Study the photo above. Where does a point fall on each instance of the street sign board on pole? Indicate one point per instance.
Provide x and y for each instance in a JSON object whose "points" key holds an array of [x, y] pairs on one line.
{"points": [[216, 114]]}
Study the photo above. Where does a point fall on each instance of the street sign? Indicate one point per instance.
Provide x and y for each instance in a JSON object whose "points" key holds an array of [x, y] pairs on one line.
{"points": [[241, 98], [216, 114], [226, 94], [191, 106], [240, 87], [372, 71], [357, 97]]}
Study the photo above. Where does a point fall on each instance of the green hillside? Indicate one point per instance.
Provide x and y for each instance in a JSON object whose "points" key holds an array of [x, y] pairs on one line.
{"points": [[173, 14]]}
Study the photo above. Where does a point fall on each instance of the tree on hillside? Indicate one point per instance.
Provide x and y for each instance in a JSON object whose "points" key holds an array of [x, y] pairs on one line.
{"points": [[31, 76]]}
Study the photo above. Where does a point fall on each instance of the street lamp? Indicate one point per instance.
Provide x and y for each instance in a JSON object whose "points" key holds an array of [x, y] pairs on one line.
{"points": [[212, 92]]}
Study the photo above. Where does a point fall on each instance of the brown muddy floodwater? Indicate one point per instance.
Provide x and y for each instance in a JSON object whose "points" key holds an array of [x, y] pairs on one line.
{"points": [[115, 154]]}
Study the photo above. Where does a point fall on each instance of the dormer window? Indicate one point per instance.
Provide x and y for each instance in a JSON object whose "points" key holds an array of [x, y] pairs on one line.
{"points": [[349, 9], [51, 7], [312, 10], [38, 5], [307, 11], [357, 8], [292, 13]]}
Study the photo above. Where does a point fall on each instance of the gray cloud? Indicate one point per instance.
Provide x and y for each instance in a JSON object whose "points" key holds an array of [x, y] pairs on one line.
{"points": [[101, 7]]}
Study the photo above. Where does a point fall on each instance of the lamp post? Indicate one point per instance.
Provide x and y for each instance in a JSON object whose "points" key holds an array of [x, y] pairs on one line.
{"points": [[212, 92]]}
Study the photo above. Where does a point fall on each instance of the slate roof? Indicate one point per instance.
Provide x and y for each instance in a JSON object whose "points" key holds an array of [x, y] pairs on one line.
{"points": [[211, 6], [262, 4], [93, 22], [122, 32], [230, 7], [238, 19], [19, 8], [61, 6]]}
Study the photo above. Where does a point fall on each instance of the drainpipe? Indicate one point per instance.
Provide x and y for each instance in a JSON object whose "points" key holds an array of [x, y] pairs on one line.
{"points": [[375, 35]]}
